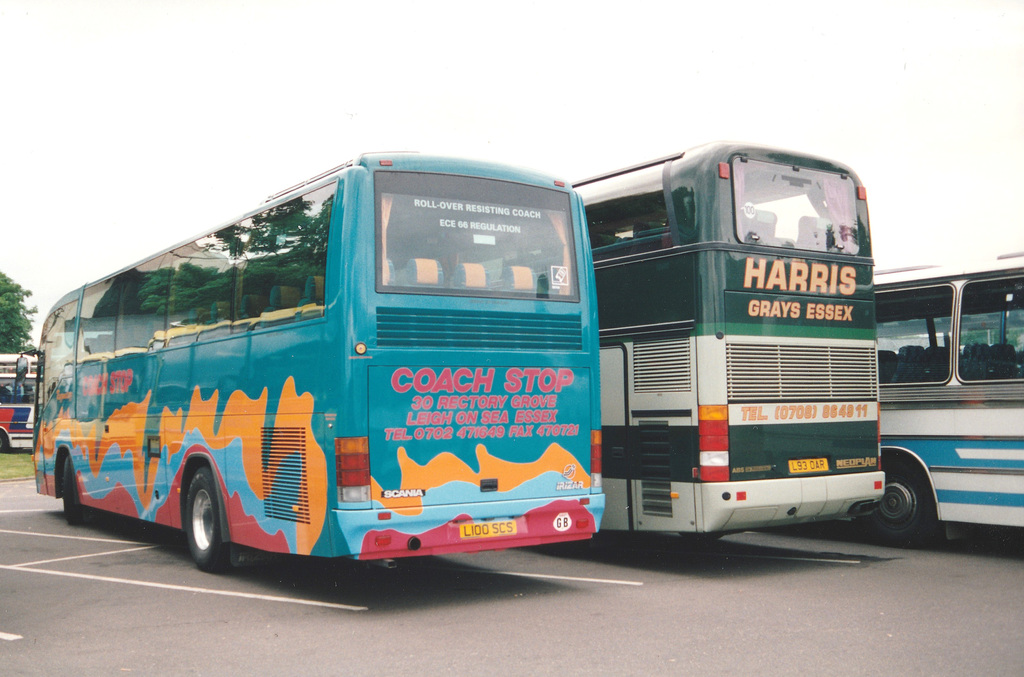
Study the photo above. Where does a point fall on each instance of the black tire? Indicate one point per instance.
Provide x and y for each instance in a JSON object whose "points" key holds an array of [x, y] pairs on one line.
{"points": [[74, 513], [907, 516], [5, 442], [202, 523]]}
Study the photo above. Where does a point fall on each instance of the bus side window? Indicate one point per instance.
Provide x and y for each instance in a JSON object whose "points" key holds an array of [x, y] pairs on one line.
{"points": [[312, 302], [913, 335], [143, 310], [57, 343], [992, 330], [202, 284], [631, 223], [281, 260], [886, 366], [282, 305], [96, 326]]}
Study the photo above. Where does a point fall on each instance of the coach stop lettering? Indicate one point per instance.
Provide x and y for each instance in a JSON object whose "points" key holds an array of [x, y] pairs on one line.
{"points": [[465, 402]]}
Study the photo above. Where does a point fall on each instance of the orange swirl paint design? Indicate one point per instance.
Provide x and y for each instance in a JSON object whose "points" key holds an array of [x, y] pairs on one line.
{"points": [[243, 419], [449, 468]]}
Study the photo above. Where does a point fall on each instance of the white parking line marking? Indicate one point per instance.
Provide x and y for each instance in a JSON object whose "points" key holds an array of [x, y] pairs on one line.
{"points": [[12, 512], [9, 637], [95, 554], [578, 579], [189, 588], [524, 574], [72, 538]]}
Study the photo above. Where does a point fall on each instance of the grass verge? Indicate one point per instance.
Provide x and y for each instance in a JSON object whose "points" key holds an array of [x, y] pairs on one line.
{"points": [[16, 465]]}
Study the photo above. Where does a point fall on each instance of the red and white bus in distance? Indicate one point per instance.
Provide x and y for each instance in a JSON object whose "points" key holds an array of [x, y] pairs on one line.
{"points": [[17, 399]]}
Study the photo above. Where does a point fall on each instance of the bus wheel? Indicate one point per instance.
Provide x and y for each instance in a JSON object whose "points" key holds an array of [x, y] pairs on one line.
{"points": [[907, 516], [202, 523], [74, 513], [5, 442]]}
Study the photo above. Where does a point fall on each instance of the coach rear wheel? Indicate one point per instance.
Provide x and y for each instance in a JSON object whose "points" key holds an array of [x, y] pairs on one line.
{"points": [[73, 511], [907, 515], [5, 442], [202, 523]]}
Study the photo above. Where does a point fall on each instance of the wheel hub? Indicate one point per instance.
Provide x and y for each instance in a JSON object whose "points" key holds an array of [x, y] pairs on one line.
{"points": [[202, 520], [898, 504]]}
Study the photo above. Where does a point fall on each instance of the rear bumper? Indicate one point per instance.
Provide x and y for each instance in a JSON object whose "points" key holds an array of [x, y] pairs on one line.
{"points": [[435, 530], [731, 506]]}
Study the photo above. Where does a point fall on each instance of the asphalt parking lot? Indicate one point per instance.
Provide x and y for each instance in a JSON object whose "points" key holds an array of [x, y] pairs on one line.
{"points": [[117, 597]]}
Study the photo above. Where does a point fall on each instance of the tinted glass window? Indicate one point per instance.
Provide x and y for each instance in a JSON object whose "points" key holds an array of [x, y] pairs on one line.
{"points": [[281, 259], [627, 214], [785, 206], [992, 330], [440, 234], [141, 320], [10, 393], [264, 271], [99, 317], [914, 339], [57, 345], [202, 287]]}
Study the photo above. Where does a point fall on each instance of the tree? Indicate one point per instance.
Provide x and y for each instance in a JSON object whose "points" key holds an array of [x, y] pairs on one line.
{"points": [[15, 322]]}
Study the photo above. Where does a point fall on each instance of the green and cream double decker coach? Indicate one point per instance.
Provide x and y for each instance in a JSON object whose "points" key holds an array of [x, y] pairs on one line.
{"points": [[738, 374]]}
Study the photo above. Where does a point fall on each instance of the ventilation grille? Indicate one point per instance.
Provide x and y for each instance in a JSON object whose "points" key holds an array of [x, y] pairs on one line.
{"points": [[284, 476], [766, 373], [655, 470], [662, 366], [401, 327]]}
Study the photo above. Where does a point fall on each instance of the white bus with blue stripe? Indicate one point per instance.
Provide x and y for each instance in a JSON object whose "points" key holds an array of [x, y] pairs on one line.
{"points": [[951, 375]]}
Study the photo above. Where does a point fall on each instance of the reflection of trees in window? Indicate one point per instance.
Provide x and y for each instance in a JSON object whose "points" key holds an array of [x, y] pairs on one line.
{"points": [[193, 289], [108, 304], [153, 291], [202, 285], [282, 254], [143, 307]]}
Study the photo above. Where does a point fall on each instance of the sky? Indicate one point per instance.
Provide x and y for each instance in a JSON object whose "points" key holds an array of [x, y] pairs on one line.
{"points": [[127, 127]]}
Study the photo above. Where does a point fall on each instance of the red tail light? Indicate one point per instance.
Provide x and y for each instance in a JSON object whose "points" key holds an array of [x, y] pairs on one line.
{"points": [[352, 463], [713, 442], [595, 459]]}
